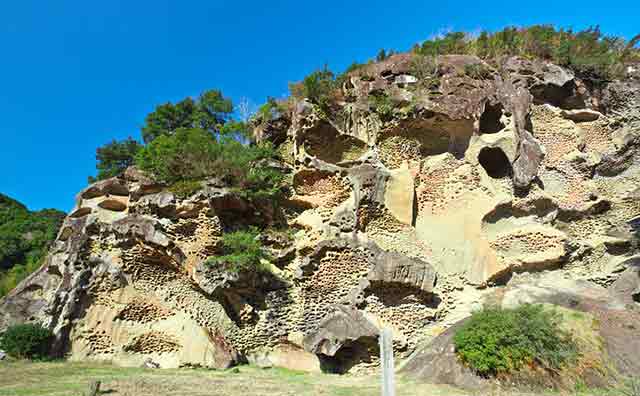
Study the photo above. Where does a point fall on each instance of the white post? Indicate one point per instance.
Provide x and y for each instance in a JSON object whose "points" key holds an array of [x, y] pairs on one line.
{"points": [[386, 364]]}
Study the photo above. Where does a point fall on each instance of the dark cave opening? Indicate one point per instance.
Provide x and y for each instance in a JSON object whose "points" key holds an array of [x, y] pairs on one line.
{"points": [[562, 97], [350, 354], [495, 162], [490, 119]]}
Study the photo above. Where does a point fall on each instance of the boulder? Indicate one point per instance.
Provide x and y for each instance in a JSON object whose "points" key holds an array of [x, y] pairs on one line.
{"points": [[627, 287], [438, 363], [287, 356], [343, 326]]}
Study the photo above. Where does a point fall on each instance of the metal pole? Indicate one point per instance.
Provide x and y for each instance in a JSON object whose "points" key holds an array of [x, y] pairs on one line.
{"points": [[386, 357]]}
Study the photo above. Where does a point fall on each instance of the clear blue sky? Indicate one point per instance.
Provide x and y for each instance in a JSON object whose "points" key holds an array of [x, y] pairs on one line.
{"points": [[75, 74]]}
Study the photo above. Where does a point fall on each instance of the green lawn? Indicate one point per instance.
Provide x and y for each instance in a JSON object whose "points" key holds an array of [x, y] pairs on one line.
{"points": [[20, 378]]}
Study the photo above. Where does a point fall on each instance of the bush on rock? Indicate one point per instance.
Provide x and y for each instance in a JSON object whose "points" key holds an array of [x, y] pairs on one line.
{"points": [[497, 341]]}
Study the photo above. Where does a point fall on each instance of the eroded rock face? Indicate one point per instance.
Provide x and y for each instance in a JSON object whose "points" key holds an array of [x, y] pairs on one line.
{"points": [[609, 315], [402, 219]]}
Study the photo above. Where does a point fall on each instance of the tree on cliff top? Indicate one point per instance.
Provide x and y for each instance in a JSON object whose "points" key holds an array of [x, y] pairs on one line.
{"points": [[114, 157], [209, 112]]}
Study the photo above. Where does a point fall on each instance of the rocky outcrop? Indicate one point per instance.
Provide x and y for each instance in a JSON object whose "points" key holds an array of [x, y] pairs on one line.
{"points": [[415, 191], [608, 319]]}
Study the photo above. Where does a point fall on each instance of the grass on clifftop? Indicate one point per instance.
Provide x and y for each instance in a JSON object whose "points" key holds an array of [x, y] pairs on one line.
{"points": [[589, 51]]}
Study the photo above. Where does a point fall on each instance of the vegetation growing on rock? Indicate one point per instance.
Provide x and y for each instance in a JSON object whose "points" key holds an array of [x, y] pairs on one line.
{"points": [[192, 140], [194, 154], [185, 188], [498, 341], [269, 110], [318, 87], [587, 51], [114, 157], [242, 251], [417, 168], [24, 239], [26, 341]]}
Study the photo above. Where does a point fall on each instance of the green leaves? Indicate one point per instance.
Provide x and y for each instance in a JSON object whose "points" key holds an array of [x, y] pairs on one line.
{"points": [[498, 341], [194, 154], [317, 87], [210, 112], [24, 239], [185, 188], [269, 110], [113, 158], [242, 250], [26, 341], [588, 51]]}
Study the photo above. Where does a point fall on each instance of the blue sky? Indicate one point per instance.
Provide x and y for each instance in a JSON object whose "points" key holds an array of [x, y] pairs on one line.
{"points": [[75, 74]]}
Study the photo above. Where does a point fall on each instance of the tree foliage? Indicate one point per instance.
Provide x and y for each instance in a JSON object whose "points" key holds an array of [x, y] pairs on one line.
{"points": [[26, 341], [209, 112], [183, 189], [24, 239], [317, 87], [269, 110], [194, 154], [242, 251], [588, 51], [114, 157], [495, 341]]}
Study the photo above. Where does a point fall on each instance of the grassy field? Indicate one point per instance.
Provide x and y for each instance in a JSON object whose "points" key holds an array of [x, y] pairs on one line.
{"points": [[19, 378]]}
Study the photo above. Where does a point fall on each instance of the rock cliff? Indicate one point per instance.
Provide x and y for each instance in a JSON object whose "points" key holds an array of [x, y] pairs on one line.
{"points": [[412, 199]]}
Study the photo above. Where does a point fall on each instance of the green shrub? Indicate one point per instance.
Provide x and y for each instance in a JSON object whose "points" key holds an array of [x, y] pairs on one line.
{"points": [[631, 387], [477, 71], [383, 105], [190, 155], [242, 251], [318, 87], [19, 272], [259, 183], [424, 67], [496, 341], [26, 341], [270, 110], [589, 52], [342, 78], [185, 188], [450, 43]]}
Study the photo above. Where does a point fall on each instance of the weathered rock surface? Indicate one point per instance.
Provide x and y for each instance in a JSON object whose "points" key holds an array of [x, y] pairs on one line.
{"points": [[614, 323], [402, 218]]}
